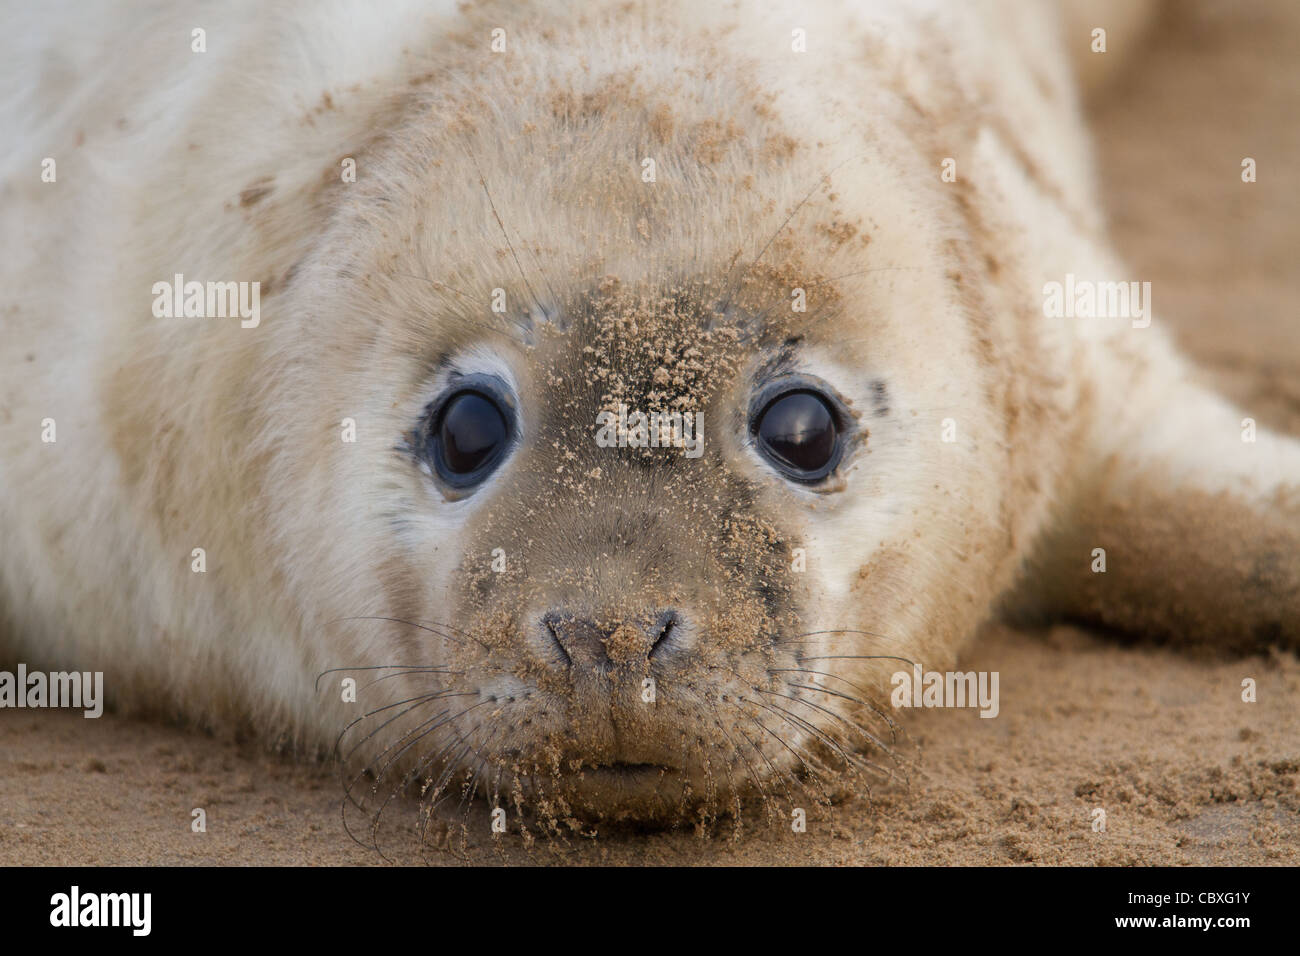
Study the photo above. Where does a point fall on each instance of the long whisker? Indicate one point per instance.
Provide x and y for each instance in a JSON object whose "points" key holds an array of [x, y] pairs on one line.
{"points": [[482, 180], [413, 670], [407, 778], [893, 727], [795, 638], [467, 798], [822, 180], [413, 701], [351, 784], [430, 628], [739, 752], [813, 774], [808, 727], [848, 723], [421, 731], [375, 667], [418, 699]]}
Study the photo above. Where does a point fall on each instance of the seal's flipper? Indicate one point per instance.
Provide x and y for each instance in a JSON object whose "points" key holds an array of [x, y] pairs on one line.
{"points": [[1186, 524]]}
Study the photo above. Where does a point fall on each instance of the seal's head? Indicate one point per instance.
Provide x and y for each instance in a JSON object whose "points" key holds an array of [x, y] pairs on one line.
{"points": [[651, 487]]}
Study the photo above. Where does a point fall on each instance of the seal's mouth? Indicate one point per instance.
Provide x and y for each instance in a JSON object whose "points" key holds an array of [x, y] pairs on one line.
{"points": [[624, 777], [626, 770], [625, 790]]}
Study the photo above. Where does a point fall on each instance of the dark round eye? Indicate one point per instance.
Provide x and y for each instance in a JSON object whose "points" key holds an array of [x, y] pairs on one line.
{"points": [[799, 432], [470, 435]]}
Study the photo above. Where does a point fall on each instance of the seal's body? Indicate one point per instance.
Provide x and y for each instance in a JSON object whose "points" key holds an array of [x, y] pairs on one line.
{"points": [[487, 246]]}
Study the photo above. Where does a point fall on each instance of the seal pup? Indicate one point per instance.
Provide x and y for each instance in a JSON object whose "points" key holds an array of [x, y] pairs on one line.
{"points": [[819, 244]]}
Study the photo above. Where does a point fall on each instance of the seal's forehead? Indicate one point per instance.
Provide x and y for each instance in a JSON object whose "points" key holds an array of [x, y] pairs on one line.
{"points": [[667, 346], [666, 338], [765, 309], [669, 343]]}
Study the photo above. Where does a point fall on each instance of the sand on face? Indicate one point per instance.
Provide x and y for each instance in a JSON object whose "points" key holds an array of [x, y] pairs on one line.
{"points": [[1184, 769]]}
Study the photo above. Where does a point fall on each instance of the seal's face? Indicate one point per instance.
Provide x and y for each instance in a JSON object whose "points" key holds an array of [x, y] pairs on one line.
{"points": [[652, 483], [631, 590]]}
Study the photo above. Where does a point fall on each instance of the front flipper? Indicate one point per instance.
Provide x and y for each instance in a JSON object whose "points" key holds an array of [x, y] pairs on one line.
{"points": [[1191, 508]]}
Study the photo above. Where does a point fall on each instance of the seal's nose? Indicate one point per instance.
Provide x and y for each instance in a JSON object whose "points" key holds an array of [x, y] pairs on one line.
{"points": [[590, 644]]}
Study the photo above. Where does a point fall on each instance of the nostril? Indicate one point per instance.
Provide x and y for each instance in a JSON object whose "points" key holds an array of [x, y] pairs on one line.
{"points": [[578, 641], [664, 626], [552, 623]]}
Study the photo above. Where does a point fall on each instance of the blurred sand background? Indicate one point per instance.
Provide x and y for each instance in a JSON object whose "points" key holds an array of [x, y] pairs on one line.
{"points": [[1185, 771]]}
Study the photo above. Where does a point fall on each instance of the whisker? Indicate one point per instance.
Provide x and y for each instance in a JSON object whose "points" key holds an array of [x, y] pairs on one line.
{"points": [[504, 234], [813, 774], [413, 670], [348, 788], [893, 727], [794, 638], [759, 788], [418, 699], [808, 727], [373, 667], [438, 285], [467, 799], [421, 731], [407, 778], [822, 180], [430, 628], [850, 724]]}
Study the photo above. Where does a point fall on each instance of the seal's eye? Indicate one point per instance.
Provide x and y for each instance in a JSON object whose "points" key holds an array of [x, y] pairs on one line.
{"points": [[798, 431], [468, 438]]}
